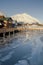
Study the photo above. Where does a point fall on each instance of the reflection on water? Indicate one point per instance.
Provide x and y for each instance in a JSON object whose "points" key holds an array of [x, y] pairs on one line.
{"points": [[25, 49]]}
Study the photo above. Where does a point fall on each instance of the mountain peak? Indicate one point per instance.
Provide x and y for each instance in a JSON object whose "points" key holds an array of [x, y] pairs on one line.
{"points": [[24, 14], [24, 17]]}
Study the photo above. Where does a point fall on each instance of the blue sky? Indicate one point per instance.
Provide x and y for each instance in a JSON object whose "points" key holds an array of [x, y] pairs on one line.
{"points": [[31, 7]]}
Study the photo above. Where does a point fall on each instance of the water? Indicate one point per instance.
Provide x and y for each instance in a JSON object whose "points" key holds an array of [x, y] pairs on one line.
{"points": [[25, 49]]}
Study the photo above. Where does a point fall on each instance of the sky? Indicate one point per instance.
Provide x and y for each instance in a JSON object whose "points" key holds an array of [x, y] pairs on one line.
{"points": [[31, 7]]}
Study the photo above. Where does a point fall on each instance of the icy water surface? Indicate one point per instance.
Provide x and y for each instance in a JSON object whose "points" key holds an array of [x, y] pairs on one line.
{"points": [[25, 49]]}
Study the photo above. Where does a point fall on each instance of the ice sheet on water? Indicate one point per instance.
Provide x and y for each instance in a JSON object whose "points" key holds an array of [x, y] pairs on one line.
{"points": [[41, 38], [0, 62], [22, 62], [36, 53], [7, 56], [31, 43]]}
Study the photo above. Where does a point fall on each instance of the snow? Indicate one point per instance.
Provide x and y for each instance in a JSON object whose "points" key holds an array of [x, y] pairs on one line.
{"points": [[25, 18]]}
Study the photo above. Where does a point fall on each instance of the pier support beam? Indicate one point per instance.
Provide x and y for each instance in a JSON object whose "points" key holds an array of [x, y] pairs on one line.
{"points": [[4, 37], [9, 34], [13, 33]]}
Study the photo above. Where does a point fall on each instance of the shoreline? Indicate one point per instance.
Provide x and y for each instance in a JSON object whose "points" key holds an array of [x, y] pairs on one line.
{"points": [[6, 39]]}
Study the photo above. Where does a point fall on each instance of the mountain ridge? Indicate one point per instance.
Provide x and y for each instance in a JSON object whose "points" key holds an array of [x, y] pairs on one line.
{"points": [[24, 17]]}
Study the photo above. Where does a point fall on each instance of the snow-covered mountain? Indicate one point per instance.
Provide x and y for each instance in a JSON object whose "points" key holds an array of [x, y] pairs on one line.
{"points": [[25, 18]]}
